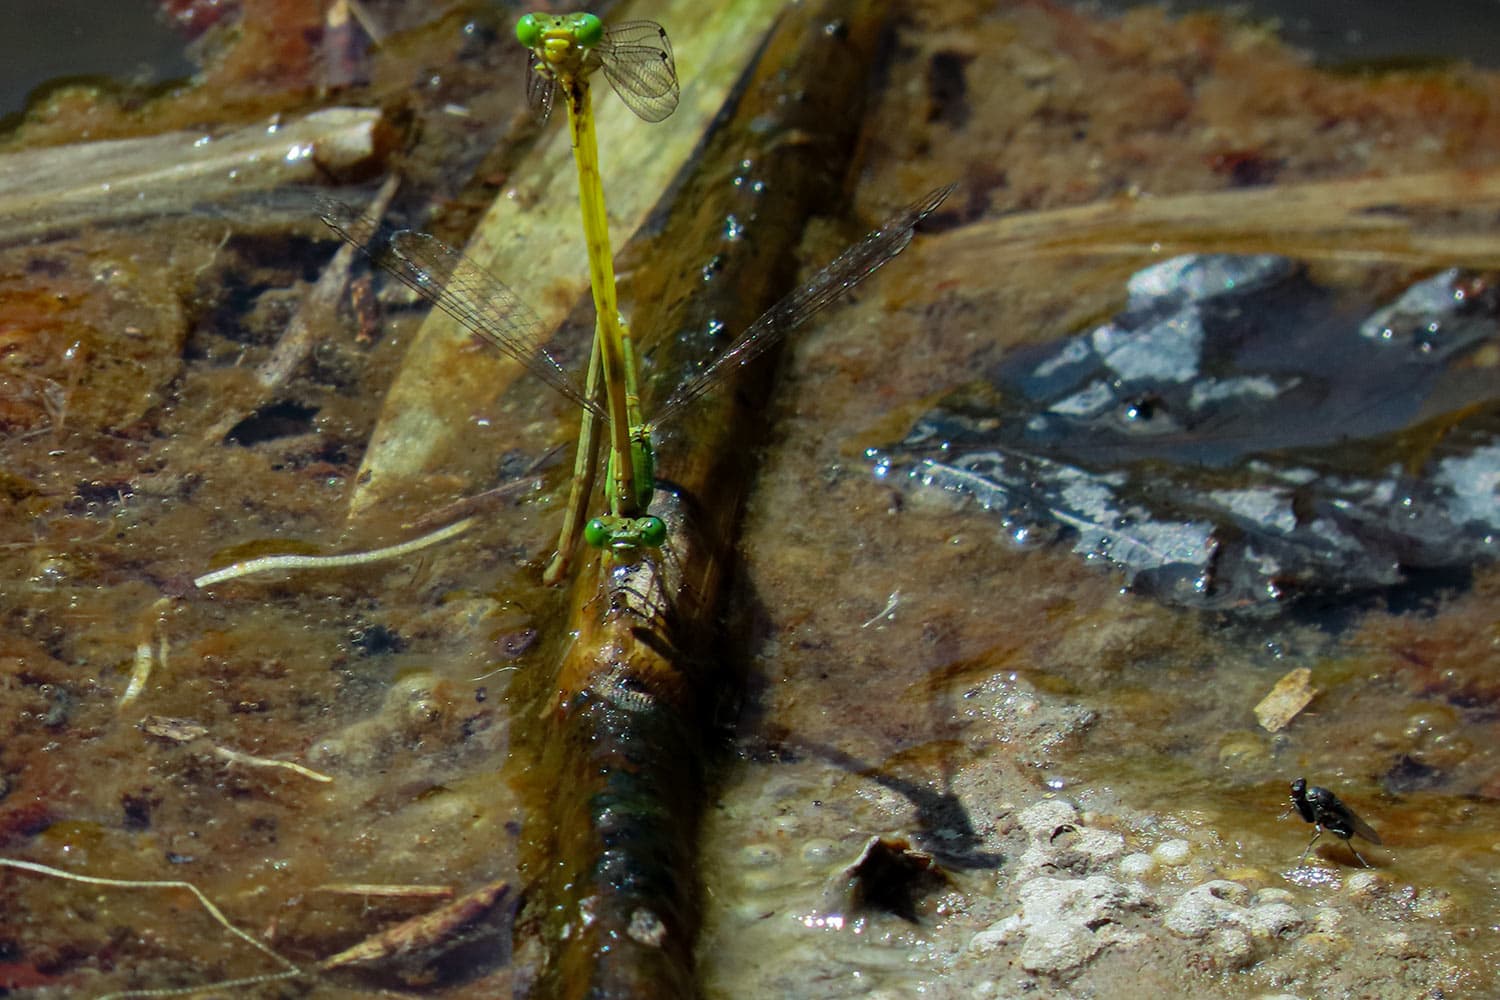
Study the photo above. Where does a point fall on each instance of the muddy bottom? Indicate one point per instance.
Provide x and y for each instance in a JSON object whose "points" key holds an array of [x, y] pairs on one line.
{"points": [[953, 760]]}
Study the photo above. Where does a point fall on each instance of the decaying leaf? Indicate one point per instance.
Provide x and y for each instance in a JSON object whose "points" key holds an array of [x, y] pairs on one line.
{"points": [[1290, 696]]}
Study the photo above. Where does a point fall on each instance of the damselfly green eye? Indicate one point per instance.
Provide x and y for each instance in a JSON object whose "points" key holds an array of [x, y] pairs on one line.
{"points": [[653, 530], [597, 533], [529, 31], [588, 30]]}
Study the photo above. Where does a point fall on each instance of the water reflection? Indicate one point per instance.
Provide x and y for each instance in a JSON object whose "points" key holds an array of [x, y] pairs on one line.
{"points": [[1239, 434]]}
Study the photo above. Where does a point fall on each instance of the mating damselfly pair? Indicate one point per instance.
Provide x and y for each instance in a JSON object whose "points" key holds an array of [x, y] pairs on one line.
{"points": [[636, 58]]}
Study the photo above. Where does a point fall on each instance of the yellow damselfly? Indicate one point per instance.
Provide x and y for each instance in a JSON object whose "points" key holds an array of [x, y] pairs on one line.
{"points": [[490, 310]]}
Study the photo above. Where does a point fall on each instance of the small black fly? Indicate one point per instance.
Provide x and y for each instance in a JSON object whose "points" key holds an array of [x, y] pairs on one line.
{"points": [[1324, 811]]}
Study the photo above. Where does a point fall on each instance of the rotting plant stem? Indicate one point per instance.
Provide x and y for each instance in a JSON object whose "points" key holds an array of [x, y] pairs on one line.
{"points": [[614, 768]]}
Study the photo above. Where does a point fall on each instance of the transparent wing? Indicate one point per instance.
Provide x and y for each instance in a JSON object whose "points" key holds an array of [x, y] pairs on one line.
{"points": [[1359, 826], [846, 271], [637, 60], [480, 302], [541, 90]]}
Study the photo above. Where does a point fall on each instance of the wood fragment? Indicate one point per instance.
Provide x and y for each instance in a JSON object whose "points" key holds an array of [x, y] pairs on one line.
{"points": [[44, 191], [249, 760], [383, 889], [422, 933], [173, 730], [315, 315], [1289, 697]]}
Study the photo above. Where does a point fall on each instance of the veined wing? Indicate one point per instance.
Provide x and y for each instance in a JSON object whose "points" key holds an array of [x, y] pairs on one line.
{"points": [[846, 271], [637, 60], [481, 303], [541, 90]]}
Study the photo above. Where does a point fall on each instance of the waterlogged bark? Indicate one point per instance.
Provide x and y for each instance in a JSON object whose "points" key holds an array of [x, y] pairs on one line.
{"points": [[614, 766]]}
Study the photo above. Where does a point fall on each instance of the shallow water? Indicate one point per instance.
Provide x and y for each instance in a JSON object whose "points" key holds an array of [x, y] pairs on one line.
{"points": [[1083, 764], [1238, 440]]}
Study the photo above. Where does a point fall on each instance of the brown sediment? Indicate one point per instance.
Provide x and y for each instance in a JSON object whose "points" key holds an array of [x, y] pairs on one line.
{"points": [[614, 757], [921, 676]]}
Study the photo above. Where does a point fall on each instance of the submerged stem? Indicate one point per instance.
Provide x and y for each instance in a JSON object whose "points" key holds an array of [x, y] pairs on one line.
{"points": [[267, 564]]}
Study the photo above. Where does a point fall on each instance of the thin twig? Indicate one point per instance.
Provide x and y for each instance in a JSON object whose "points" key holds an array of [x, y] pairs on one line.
{"points": [[290, 968], [184, 731], [401, 891]]}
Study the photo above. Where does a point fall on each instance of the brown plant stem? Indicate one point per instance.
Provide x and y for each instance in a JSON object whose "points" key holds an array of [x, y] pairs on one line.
{"points": [[618, 738]]}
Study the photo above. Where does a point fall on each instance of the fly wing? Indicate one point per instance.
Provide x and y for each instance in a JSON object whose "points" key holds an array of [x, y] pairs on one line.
{"points": [[1358, 825], [637, 60], [1329, 810]]}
